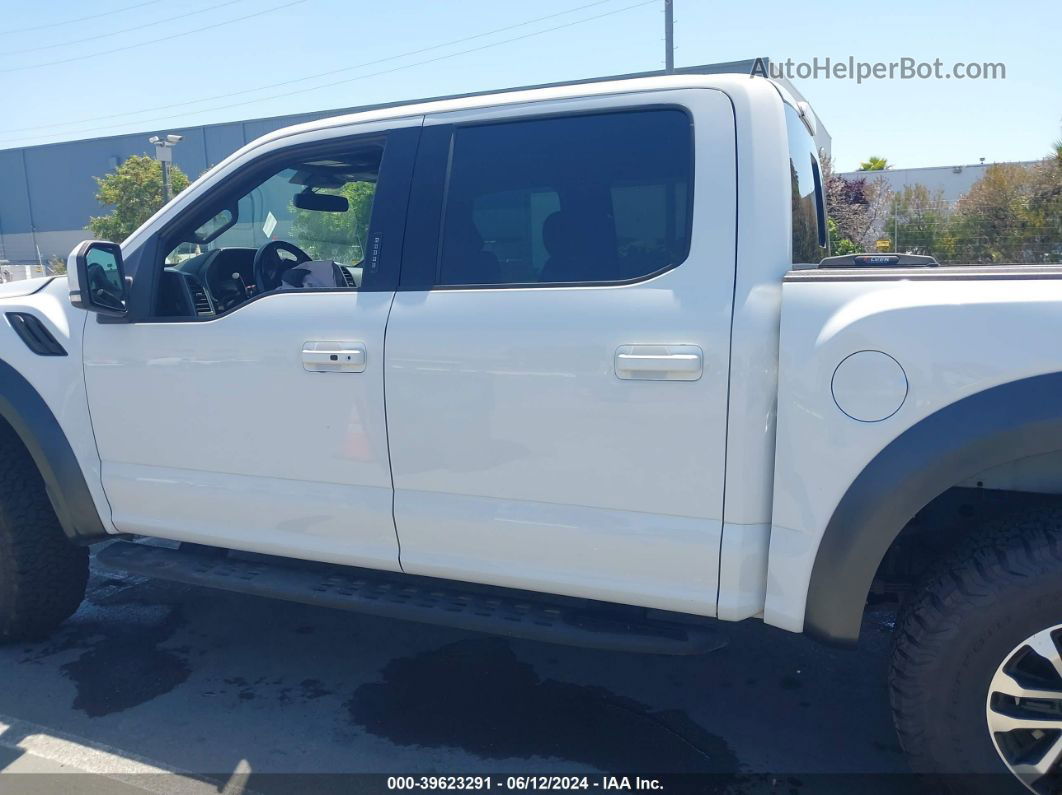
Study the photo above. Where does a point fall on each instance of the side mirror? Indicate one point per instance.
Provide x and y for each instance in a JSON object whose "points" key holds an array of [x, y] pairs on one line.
{"points": [[97, 278]]}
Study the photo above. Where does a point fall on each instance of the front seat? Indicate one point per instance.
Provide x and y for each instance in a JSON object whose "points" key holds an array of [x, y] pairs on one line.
{"points": [[315, 274]]}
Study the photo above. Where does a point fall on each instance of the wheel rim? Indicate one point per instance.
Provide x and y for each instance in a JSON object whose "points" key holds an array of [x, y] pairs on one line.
{"points": [[1024, 711]]}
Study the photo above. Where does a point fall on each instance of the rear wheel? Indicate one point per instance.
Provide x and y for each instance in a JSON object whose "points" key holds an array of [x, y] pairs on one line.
{"points": [[1023, 710], [976, 675], [42, 575]]}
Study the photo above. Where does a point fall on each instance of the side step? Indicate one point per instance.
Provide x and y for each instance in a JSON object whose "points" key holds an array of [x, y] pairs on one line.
{"points": [[517, 614]]}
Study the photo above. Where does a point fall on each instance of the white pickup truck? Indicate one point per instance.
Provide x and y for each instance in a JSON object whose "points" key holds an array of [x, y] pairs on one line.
{"points": [[563, 363]]}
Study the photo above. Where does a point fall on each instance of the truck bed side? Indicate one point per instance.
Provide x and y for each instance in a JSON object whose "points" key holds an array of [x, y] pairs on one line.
{"points": [[894, 385]]}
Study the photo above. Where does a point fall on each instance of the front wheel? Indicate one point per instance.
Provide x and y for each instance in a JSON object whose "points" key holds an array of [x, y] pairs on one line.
{"points": [[42, 575], [976, 674]]}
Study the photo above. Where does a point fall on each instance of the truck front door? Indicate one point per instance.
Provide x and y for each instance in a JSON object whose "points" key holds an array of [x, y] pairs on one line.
{"points": [[243, 405]]}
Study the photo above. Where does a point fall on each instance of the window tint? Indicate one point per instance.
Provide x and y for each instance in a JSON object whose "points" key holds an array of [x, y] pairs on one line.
{"points": [[576, 199], [809, 216]]}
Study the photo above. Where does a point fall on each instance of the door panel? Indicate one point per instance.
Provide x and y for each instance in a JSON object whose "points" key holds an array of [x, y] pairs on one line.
{"points": [[522, 458], [263, 428], [216, 432]]}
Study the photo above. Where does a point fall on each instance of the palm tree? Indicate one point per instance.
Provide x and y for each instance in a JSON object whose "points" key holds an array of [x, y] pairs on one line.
{"points": [[874, 163]]}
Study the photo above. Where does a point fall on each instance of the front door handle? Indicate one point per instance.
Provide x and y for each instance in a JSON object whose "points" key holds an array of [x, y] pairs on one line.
{"points": [[659, 362], [334, 357]]}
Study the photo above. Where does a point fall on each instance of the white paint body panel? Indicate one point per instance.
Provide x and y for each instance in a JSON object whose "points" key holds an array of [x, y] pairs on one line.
{"points": [[23, 288], [521, 459], [952, 339], [58, 379], [869, 386], [764, 237], [215, 432]]}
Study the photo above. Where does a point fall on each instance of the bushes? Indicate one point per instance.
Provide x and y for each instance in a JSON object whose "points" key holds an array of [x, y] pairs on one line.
{"points": [[1012, 214]]}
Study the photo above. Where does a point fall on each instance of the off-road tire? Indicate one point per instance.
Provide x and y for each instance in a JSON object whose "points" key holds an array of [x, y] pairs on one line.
{"points": [[42, 575], [1000, 587]]}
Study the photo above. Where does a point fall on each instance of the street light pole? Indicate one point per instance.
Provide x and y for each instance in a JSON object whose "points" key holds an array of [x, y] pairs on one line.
{"points": [[166, 181], [669, 36], [164, 154]]}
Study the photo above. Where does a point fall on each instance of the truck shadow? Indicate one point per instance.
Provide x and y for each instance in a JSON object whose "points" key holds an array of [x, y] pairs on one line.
{"points": [[212, 682], [476, 695]]}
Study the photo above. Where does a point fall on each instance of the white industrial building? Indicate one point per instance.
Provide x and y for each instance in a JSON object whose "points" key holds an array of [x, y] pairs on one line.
{"points": [[953, 181]]}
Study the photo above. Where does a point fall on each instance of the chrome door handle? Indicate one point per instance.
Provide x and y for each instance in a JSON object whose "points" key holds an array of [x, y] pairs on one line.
{"points": [[659, 362], [334, 357]]}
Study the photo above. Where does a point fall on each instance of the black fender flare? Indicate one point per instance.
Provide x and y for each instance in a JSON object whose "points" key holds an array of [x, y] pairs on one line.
{"points": [[1001, 424], [34, 423]]}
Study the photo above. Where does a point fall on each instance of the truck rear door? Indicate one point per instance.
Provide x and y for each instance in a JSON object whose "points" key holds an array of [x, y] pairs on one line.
{"points": [[557, 353]]}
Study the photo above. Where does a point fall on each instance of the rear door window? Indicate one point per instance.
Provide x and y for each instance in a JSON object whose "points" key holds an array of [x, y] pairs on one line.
{"points": [[576, 199]]}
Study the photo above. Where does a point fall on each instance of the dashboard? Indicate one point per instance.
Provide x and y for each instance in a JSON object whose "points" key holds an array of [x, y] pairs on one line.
{"points": [[215, 282], [227, 274], [207, 284]]}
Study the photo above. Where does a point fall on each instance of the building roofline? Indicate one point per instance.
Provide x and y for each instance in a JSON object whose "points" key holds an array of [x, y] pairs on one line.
{"points": [[943, 168]]}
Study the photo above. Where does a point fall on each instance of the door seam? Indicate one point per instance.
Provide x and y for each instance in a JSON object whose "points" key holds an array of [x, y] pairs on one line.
{"points": [[387, 427], [92, 427]]}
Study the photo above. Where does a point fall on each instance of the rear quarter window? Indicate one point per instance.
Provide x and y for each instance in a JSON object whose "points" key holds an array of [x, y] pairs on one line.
{"points": [[808, 203]]}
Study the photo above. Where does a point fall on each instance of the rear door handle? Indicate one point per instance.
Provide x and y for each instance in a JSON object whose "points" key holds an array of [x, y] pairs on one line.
{"points": [[659, 362], [334, 357]]}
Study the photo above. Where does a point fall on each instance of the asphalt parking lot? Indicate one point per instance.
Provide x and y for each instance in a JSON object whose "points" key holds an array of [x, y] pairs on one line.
{"points": [[222, 688]]}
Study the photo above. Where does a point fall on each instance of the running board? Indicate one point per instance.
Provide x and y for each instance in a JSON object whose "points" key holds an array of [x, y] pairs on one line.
{"points": [[499, 611]]}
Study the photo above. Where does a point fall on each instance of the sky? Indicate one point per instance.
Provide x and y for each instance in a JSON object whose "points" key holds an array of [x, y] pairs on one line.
{"points": [[70, 69]]}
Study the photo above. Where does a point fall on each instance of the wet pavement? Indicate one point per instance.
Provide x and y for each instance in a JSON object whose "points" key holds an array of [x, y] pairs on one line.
{"points": [[216, 684]]}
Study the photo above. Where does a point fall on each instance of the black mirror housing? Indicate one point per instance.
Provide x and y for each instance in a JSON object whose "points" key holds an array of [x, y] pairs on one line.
{"points": [[320, 202], [97, 278]]}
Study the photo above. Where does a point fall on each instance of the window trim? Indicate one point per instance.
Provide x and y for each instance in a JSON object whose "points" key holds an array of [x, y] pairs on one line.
{"points": [[820, 205], [387, 221], [822, 237], [420, 188]]}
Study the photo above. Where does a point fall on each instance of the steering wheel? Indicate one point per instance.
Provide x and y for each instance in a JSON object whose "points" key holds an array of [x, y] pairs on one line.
{"points": [[268, 266]]}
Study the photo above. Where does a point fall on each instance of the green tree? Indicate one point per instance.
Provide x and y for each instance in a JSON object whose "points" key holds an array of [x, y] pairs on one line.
{"points": [[874, 163], [134, 190], [337, 236], [838, 243], [1045, 207], [858, 208], [921, 223], [992, 221]]}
